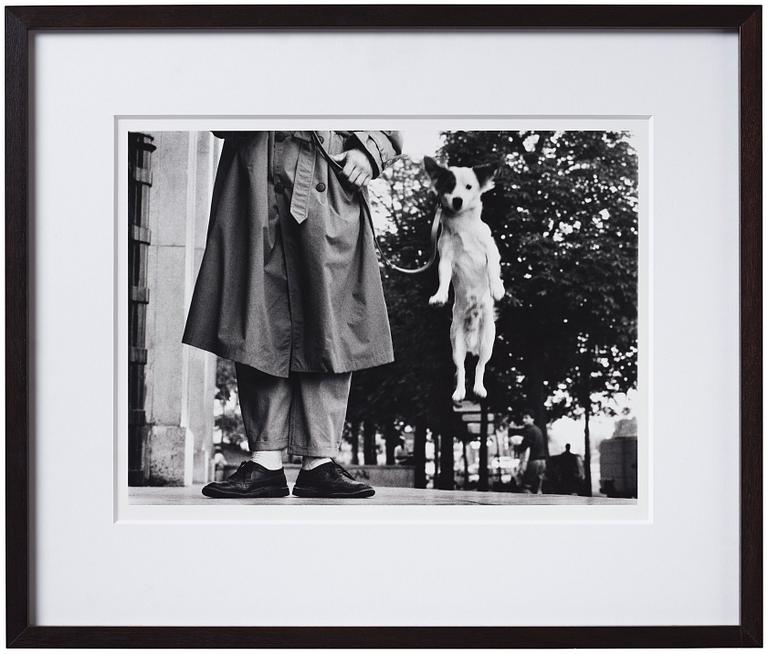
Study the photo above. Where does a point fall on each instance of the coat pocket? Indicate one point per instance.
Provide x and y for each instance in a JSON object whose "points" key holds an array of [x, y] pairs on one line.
{"points": [[329, 192], [341, 201]]}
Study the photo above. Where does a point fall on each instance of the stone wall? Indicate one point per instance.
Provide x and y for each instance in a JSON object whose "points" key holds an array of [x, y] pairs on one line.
{"points": [[180, 380]]}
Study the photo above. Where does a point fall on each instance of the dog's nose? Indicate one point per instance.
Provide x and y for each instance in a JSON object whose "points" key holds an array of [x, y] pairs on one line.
{"points": [[457, 204]]}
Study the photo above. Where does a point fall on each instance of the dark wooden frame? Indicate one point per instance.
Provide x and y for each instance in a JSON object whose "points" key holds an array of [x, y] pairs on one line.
{"points": [[745, 20]]}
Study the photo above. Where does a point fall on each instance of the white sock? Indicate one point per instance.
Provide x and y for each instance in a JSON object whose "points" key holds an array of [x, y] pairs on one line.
{"points": [[310, 462], [270, 459]]}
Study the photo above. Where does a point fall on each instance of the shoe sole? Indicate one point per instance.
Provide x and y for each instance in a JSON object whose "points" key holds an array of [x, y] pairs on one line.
{"points": [[313, 492], [261, 492]]}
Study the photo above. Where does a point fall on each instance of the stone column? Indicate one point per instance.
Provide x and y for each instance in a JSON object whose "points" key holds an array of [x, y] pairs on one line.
{"points": [[180, 381], [202, 365]]}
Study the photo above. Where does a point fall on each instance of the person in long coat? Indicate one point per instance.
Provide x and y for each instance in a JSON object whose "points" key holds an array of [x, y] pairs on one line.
{"points": [[289, 288]]}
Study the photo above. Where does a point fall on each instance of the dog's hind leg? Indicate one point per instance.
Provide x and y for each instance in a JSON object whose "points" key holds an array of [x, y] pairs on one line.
{"points": [[485, 350], [458, 343]]}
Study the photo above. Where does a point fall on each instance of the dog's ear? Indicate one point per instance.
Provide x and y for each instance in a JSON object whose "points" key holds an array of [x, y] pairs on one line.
{"points": [[484, 176], [443, 180], [434, 169]]}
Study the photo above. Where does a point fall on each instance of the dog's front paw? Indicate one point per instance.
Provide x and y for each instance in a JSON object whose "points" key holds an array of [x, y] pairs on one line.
{"points": [[458, 394], [497, 290], [480, 391], [439, 299]]}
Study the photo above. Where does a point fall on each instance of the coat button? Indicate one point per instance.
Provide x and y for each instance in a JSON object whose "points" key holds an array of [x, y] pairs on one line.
{"points": [[278, 187], [320, 138], [320, 187]]}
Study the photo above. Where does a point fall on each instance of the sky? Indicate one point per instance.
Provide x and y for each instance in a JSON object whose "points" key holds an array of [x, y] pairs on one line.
{"points": [[418, 142]]}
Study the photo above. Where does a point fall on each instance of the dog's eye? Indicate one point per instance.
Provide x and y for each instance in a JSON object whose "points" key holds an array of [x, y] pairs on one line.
{"points": [[469, 186]]}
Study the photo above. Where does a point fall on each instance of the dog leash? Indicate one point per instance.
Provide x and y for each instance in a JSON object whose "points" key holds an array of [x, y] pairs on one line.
{"points": [[366, 209]]}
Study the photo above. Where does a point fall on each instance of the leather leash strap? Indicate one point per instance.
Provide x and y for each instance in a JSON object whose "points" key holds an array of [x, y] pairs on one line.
{"points": [[366, 209]]}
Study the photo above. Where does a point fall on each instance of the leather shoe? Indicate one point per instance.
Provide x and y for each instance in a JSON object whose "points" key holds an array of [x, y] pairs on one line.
{"points": [[250, 480], [330, 480]]}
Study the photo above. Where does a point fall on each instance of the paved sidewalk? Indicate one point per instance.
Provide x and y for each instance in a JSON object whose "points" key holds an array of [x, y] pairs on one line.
{"points": [[191, 495]]}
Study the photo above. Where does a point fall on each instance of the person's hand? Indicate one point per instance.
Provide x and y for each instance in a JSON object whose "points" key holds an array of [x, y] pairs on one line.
{"points": [[355, 167]]}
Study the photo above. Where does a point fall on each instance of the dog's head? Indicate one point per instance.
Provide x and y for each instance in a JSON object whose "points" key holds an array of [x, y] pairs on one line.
{"points": [[459, 189]]}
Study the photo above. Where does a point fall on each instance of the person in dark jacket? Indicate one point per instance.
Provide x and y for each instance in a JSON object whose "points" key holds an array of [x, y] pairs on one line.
{"points": [[289, 289], [533, 461], [571, 472]]}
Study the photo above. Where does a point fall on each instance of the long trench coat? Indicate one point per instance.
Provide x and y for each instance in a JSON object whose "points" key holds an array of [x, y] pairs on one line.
{"points": [[289, 280]]}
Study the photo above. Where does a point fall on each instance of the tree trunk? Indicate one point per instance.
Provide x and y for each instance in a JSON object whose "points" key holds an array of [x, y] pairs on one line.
{"points": [[482, 483], [354, 434], [390, 442], [586, 402], [498, 458], [587, 451], [536, 397], [465, 486], [436, 442], [446, 460], [369, 443], [420, 456]]}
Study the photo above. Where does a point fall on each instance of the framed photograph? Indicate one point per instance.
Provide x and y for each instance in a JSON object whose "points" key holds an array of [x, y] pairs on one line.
{"points": [[394, 326]]}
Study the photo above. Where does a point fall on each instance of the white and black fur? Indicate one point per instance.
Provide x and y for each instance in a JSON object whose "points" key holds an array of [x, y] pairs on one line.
{"points": [[470, 260]]}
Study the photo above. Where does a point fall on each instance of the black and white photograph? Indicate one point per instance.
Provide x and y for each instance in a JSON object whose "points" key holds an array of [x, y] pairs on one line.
{"points": [[398, 317]]}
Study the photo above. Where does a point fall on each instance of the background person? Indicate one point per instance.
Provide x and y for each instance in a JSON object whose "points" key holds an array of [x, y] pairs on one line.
{"points": [[533, 459]]}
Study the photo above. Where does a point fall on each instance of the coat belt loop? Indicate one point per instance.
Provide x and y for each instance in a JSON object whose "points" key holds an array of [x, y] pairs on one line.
{"points": [[302, 185]]}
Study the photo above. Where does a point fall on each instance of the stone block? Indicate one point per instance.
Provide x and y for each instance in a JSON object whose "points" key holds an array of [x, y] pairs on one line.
{"points": [[170, 201], [166, 357], [168, 454], [201, 392]]}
